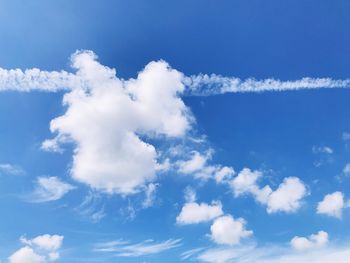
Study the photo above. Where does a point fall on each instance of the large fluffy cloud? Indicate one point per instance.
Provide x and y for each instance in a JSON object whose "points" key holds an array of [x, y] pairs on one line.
{"points": [[108, 118]]}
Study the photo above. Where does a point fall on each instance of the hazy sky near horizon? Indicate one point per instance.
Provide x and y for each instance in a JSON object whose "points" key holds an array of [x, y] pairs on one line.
{"points": [[174, 131]]}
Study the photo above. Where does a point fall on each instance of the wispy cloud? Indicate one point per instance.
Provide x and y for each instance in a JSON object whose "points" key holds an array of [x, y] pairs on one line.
{"points": [[147, 247], [271, 254], [6, 168], [49, 189], [92, 208]]}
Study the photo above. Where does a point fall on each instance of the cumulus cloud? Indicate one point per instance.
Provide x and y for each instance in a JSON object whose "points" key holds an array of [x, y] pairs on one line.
{"points": [[106, 118], [50, 189], [332, 205], [197, 165], [246, 183], [40, 249], [194, 213], [148, 247], [229, 231], [313, 241], [286, 198]]}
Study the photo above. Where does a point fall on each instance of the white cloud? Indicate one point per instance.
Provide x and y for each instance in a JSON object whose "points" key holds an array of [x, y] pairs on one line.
{"points": [[150, 195], [332, 205], [287, 197], [106, 118], [224, 174], [273, 254], [50, 189], [148, 247], [195, 164], [6, 168], [205, 85], [346, 169], [40, 249], [322, 149], [194, 213], [313, 241], [246, 183], [26, 255], [190, 195], [91, 208], [229, 231], [346, 136]]}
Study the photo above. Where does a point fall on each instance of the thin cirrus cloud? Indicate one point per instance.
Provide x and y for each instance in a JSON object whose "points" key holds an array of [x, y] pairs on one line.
{"points": [[272, 254], [147, 247], [49, 189], [107, 140]]}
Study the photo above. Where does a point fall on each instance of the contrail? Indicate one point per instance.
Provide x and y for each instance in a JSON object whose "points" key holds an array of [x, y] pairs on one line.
{"points": [[196, 85], [36, 79], [207, 85]]}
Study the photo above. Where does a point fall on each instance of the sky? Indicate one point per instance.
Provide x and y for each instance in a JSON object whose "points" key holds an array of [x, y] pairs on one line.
{"points": [[174, 131]]}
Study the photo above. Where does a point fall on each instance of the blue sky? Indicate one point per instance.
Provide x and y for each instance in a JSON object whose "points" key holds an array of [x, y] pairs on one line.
{"points": [[178, 131]]}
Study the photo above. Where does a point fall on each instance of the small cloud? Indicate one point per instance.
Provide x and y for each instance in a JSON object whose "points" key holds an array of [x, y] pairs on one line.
{"points": [[227, 230], [194, 213], [91, 208], [6, 168], [50, 189], [313, 241], [150, 195], [346, 169], [332, 205], [346, 136], [322, 149]]}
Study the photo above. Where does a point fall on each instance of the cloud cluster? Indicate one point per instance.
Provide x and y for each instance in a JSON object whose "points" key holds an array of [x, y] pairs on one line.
{"points": [[225, 229], [40, 249], [286, 198]]}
